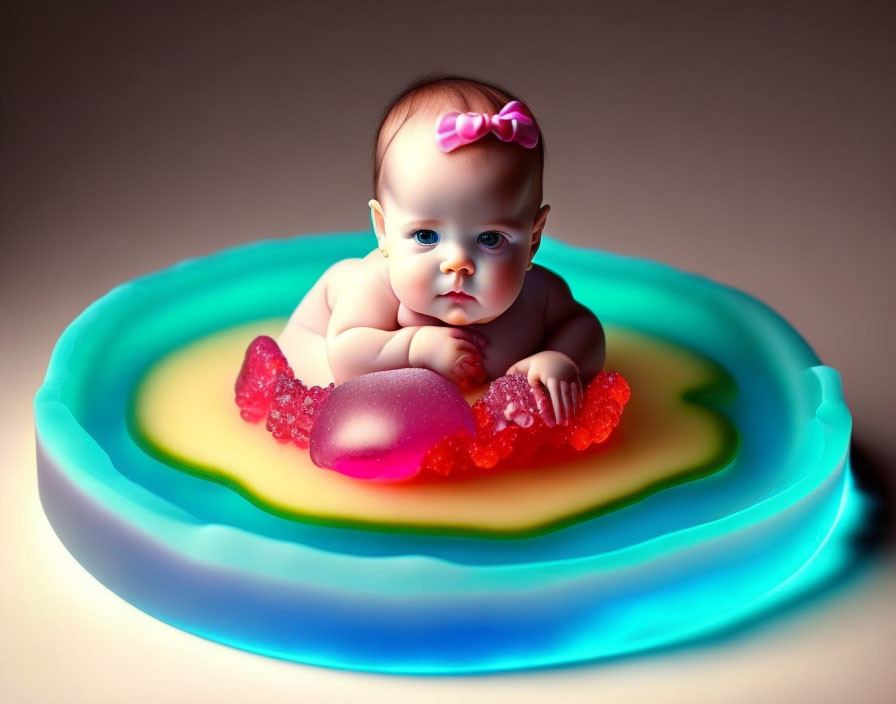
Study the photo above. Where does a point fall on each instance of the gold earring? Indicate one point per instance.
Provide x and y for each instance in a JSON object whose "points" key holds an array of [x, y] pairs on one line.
{"points": [[529, 268], [384, 251]]}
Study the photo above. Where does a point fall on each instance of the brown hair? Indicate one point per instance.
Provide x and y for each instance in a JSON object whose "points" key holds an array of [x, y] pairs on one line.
{"points": [[445, 93]]}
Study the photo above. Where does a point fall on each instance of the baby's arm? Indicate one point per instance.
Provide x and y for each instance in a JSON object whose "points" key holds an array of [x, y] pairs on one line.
{"points": [[574, 330], [573, 350], [363, 336]]}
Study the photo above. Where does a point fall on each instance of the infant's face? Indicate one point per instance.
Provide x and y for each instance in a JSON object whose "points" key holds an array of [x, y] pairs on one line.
{"points": [[458, 226]]}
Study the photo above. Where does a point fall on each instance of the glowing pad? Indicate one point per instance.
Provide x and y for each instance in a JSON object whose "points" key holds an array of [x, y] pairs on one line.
{"points": [[677, 562]]}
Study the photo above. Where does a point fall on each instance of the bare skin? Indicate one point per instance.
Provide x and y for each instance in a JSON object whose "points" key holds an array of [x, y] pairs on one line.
{"points": [[454, 294]]}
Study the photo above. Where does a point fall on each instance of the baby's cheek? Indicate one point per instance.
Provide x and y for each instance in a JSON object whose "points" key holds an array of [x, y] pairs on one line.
{"points": [[411, 284], [504, 284]]}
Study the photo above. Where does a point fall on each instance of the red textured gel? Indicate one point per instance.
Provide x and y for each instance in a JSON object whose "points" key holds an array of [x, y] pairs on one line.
{"points": [[292, 410], [263, 363], [508, 425], [501, 438], [266, 388]]}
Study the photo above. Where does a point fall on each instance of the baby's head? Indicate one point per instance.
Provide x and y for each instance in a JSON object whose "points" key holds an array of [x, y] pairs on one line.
{"points": [[469, 219]]}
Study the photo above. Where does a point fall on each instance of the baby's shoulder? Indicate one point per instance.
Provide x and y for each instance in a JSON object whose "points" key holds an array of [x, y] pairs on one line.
{"points": [[551, 293], [542, 285], [344, 268], [357, 277]]}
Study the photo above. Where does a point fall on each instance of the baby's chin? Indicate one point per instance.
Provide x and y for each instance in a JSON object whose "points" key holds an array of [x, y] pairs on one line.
{"points": [[467, 313], [458, 316]]}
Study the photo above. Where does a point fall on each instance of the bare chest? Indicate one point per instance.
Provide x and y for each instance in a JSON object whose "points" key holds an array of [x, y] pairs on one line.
{"points": [[510, 338]]}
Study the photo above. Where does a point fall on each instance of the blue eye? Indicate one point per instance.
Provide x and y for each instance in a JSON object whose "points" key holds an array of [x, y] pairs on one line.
{"points": [[426, 237], [490, 240]]}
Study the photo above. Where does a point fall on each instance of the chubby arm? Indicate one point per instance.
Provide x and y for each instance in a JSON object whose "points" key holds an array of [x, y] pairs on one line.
{"points": [[572, 329], [572, 351], [364, 336]]}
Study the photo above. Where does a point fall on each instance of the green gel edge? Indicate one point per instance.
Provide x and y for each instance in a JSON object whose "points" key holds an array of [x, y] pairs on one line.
{"points": [[719, 388]]}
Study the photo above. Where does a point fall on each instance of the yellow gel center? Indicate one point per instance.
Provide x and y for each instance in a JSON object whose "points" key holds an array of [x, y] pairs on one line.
{"points": [[184, 414]]}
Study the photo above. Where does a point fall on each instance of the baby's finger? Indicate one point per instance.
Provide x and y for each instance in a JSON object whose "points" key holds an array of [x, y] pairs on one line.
{"points": [[459, 367], [566, 401], [554, 390], [462, 380], [542, 403], [469, 353], [470, 367], [533, 379], [578, 397], [469, 349]]}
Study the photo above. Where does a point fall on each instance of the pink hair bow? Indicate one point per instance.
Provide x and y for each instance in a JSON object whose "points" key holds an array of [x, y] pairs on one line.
{"points": [[513, 124]]}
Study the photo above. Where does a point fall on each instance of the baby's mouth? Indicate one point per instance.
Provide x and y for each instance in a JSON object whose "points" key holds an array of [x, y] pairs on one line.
{"points": [[458, 295]]}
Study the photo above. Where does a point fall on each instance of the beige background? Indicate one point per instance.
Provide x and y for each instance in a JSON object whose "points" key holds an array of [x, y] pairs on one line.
{"points": [[752, 142]]}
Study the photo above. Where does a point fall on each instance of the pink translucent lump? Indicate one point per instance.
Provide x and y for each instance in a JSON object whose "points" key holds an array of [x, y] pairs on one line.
{"points": [[379, 426]]}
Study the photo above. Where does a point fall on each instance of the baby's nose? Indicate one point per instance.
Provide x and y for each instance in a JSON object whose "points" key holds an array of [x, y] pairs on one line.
{"points": [[457, 261]]}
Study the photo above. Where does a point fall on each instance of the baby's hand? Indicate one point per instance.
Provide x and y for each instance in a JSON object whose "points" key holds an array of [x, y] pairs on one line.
{"points": [[557, 373], [455, 353]]}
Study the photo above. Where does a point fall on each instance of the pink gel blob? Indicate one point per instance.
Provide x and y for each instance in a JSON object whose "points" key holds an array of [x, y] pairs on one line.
{"points": [[379, 426]]}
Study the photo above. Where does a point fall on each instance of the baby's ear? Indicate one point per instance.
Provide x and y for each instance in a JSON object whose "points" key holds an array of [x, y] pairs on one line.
{"points": [[377, 219], [540, 219]]}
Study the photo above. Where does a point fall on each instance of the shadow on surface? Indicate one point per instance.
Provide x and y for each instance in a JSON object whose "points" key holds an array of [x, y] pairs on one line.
{"points": [[872, 472], [872, 538]]}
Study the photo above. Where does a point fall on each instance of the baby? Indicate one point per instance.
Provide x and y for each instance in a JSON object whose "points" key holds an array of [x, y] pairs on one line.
{"points": [[452, 287]]}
